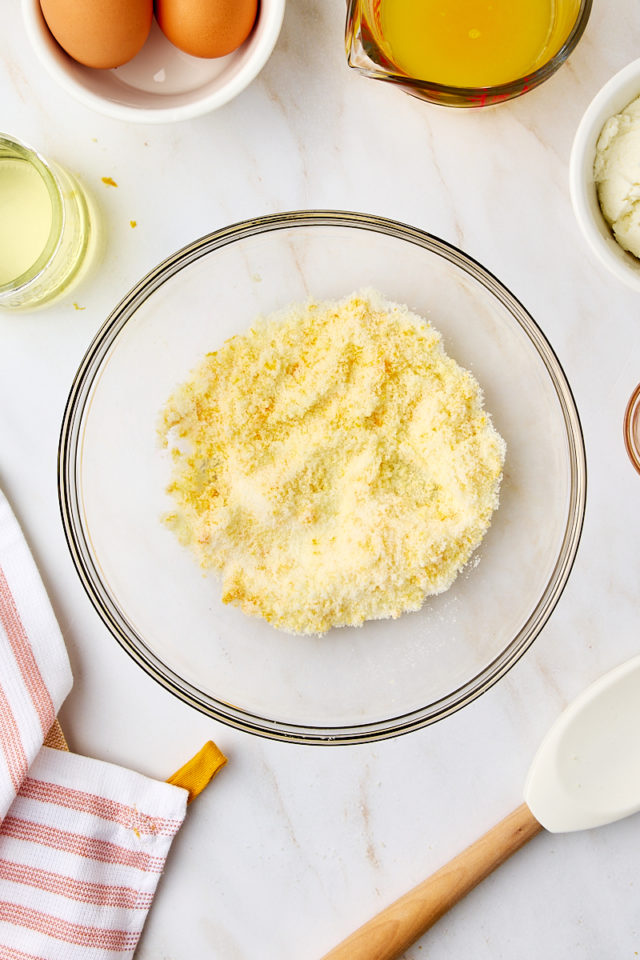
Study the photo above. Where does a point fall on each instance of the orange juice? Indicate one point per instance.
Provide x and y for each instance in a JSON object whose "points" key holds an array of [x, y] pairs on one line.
{"points": [[471, 43]]}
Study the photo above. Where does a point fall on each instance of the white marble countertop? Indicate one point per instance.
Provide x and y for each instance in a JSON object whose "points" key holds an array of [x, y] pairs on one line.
{"points": [[293, 847]]}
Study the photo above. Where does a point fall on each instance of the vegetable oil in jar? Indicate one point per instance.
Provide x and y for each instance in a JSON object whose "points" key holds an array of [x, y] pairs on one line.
{"points": [[25, 217], [471, 43], [46, 234]]}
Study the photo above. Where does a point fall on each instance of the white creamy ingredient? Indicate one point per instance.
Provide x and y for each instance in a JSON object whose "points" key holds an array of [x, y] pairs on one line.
{"points": [[617, 175]]}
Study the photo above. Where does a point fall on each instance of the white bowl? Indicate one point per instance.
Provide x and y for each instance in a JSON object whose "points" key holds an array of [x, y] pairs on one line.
{"points": [[161, 84], [619, 91]]}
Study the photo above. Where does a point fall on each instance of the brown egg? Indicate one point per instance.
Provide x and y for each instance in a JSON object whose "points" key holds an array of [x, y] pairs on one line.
{"points": [[99, 33], [206, 28]]}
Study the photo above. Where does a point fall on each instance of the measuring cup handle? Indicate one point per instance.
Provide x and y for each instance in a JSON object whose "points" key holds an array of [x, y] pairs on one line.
{"points": [[387, 935]]}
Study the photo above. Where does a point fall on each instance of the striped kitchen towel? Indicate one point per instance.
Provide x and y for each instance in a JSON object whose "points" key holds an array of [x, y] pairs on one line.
{"points": [[82, 842], [35, 675]]}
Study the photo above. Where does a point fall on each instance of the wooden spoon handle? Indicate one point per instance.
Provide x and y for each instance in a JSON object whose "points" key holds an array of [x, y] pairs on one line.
{"points": [[387, 935]]}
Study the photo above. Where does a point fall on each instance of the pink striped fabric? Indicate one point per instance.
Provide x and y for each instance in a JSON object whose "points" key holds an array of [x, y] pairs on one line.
{"points": [[82, 843]]}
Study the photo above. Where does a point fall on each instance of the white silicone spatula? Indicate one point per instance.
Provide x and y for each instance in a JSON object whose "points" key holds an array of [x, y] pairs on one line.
{"points": [[586, 773]]}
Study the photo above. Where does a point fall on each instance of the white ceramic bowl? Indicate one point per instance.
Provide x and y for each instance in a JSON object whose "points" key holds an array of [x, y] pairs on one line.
{"points": [[619, 91], [161, 84]]}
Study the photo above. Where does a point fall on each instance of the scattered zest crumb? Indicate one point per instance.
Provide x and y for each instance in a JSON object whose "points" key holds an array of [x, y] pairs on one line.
{"points": [[133, 223], [109, 182], [77, 306]]}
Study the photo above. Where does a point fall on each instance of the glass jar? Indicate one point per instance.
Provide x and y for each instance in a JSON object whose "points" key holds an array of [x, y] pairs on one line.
{"points": [[46, 233]]}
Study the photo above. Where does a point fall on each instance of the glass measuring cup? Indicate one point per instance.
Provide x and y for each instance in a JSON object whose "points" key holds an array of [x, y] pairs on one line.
{"points": [[463, 54]]}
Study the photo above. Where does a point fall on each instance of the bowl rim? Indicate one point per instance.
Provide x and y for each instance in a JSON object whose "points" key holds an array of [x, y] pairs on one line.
{"points": [[273, 17], [69, 493], [448, 94], [612, 97]]}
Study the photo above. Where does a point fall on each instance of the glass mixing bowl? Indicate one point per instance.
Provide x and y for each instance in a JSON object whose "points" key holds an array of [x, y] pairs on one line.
{"points": [[353, 684]]}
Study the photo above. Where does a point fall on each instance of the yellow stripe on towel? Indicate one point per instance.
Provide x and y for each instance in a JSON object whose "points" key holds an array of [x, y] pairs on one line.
{"points": [[56, 738], [199, 771]]}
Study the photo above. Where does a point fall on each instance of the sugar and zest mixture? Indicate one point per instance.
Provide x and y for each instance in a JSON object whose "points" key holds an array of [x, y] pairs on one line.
{"points": [[333, 464]]}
